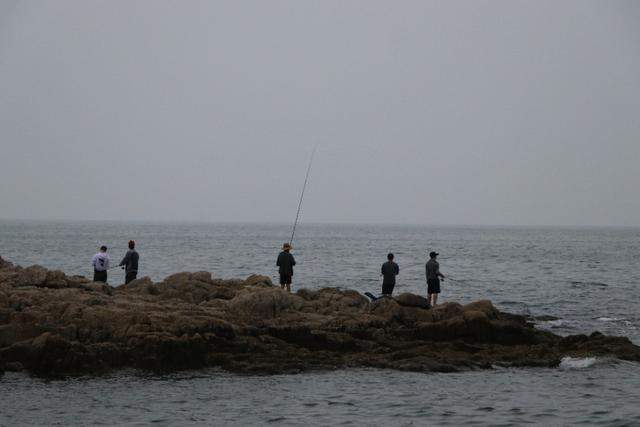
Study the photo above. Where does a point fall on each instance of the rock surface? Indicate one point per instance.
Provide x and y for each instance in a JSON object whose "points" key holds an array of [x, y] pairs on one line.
{"points": [[53, 324]]}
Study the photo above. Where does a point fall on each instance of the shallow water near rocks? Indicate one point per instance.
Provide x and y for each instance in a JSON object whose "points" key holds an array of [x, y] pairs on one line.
{"points": [[581, 279]]}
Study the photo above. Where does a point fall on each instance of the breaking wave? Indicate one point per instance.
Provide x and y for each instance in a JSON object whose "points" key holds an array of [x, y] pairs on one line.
{"points": [[577, 362]]}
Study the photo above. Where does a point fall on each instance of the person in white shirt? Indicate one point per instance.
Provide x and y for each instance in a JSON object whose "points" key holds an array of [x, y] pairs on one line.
{"points": [[100, 263]]}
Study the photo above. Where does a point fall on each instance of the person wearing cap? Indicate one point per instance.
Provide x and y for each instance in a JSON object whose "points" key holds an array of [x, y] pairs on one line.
{"points": [[389, 272], [433, 278], [130, 263], [285, 262], [100, 262]]}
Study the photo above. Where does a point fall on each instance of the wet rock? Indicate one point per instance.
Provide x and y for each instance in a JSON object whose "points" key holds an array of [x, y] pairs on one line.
{"points": [[5, 313], [14, 367], [8, 334]]}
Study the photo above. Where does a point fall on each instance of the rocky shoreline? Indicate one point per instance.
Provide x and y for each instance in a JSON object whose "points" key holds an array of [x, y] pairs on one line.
{"points": [[54, 324]]}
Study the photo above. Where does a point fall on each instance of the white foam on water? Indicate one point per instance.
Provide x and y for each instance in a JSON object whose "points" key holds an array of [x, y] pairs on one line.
{"points": [[608, 319], [554, 323], [577, 362]]}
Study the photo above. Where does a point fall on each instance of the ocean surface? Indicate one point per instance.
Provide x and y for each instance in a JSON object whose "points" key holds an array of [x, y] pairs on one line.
{"points": [[586, 279]]}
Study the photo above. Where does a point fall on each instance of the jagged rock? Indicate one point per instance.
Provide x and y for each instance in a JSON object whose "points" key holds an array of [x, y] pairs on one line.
{"points": [[142, 285], [13, 367], [96, 287], [411, 315], [55, 279], [386, 308], [75, 281], [446, 310], [307, 294], [202, 276], [222, 291], [329, 301], [51, 323], [31, 276], [177, 278], [412, 300], [8, 277], [485, 306], [5, 264], [256, 279], [261, 304]]}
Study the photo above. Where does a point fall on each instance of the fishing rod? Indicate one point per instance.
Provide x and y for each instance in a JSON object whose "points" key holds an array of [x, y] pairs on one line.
{"points": [[447, 277], [304, 186], [422, 263]]}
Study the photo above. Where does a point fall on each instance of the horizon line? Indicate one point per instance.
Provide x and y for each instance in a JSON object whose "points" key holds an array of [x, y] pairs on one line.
{"points": [[337, 223]]}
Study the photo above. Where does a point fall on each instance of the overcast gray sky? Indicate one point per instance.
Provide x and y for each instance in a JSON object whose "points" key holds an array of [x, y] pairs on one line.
{"points": [[447, 112]]}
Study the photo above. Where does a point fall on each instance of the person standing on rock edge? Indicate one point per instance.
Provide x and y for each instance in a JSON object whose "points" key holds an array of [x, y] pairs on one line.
{"points": [[130, 263], [286, 261], [433, 278], [389, 271], [100, 262]]}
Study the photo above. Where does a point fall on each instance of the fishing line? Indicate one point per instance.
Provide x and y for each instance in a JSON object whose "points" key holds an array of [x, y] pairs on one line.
{"points": [[306, 179]]}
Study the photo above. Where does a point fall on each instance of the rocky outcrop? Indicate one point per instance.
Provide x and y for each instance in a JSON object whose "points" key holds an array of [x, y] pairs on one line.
{"points": [[51, 323]]}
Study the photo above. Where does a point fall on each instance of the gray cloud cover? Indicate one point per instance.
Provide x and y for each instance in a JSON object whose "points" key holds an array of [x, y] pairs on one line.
{"points": [[474, 112]]}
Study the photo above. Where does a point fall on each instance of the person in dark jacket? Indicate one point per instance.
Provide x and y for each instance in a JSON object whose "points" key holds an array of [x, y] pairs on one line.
{"points": [[130, 263], [389, 271], [286, 261], [433, 278]]}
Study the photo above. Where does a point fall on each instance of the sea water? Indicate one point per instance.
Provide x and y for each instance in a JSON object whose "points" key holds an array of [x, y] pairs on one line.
{"points": [[578, 279]]}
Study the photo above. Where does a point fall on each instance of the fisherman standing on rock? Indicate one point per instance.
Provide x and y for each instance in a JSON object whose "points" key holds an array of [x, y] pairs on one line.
{"points": [[433, 278], [130, 263], [100, 262], [389, 271], [286, 261]]}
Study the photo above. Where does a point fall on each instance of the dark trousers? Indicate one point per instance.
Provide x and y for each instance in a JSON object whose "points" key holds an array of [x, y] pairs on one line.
{"points": [[433, 286], [100, 276], [285, 279], [387, 289], [130, 276]]}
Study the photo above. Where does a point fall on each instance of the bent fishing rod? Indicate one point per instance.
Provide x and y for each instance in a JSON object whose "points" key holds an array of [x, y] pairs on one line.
{"points": [[304, 186]]}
